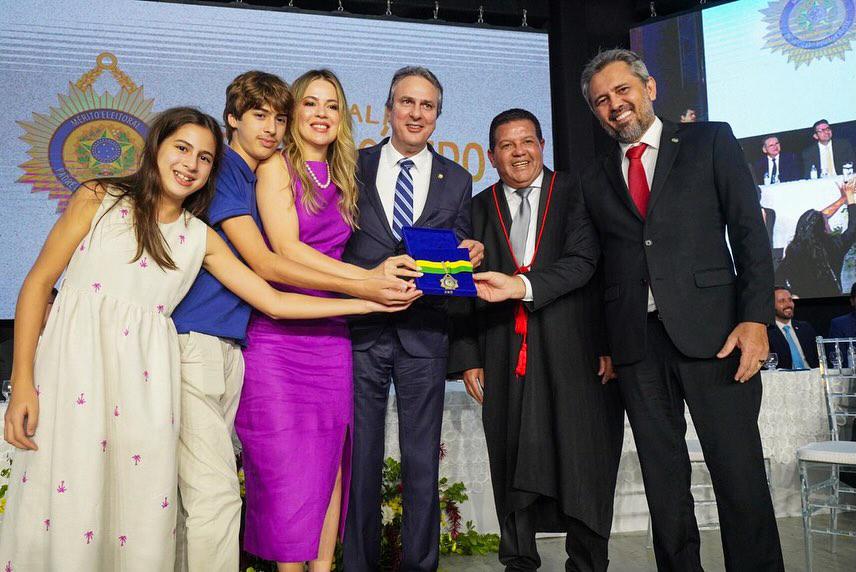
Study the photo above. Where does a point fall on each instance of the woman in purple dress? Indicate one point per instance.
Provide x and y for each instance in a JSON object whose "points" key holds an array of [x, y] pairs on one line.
{"points": [[295, 418]]}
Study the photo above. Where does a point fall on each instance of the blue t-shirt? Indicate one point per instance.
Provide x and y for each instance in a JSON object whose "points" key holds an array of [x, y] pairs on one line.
{"points": [[209, 307]]}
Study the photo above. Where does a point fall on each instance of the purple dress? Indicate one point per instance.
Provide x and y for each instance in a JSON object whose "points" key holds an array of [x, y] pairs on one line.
{"points": [[295, 418]]}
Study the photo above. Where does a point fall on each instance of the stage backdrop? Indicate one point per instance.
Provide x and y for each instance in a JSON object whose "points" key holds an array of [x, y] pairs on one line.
{"points": [[81, 78]]}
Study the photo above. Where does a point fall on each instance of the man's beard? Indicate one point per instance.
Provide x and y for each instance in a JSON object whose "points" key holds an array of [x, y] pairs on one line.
{"points": [[635, 129]]}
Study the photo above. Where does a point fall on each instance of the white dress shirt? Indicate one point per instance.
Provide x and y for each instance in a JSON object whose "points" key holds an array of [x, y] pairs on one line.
{"points": [[514, 202], [826, 151], [770, 168], [649, 160], [387, 175], [781, 326]]}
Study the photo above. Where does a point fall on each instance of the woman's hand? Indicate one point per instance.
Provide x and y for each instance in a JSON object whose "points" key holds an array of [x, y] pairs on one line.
{"points": [[848, 189], [401, 266], [370, 306], [22, 416]]}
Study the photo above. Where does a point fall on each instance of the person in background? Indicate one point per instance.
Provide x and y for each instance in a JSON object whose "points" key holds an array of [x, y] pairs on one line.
{"points": [[775, 166], [792, 340], [845, 326], [689, 115], [826, 158]]}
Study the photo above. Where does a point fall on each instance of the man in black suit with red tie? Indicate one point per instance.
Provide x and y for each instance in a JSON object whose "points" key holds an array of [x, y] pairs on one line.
{"points": [[686, 322]]}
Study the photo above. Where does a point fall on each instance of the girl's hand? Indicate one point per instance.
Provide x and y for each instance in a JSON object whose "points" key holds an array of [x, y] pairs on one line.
{"points": [[401, 266], [22, 416]]}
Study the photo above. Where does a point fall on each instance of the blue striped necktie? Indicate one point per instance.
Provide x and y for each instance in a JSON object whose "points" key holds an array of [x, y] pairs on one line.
{"points": [[402, 210]]}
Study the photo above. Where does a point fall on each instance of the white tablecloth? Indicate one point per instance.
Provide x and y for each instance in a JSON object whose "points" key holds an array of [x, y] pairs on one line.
{"points": [[792, 414]]}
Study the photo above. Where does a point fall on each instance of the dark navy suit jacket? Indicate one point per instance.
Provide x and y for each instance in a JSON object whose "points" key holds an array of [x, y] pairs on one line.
{"points": [[789, 168], [423, 328], [805, 336], [843, 326]]}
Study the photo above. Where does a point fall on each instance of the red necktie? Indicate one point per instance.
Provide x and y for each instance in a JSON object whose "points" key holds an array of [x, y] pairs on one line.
{"points": [[637, 181]]}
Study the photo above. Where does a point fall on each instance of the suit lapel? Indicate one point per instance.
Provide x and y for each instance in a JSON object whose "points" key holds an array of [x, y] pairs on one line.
{"points": [[435, 186], [369, 176], [612, 167], [542, 198], [507, 260], [669, 145]]}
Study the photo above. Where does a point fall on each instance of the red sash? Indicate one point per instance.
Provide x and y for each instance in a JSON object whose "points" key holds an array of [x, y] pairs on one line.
{"points": [[521, 314]]}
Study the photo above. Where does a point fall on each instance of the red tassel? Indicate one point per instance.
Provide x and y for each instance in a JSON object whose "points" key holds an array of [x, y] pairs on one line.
{"points": [[521, 319], [521, 361]]}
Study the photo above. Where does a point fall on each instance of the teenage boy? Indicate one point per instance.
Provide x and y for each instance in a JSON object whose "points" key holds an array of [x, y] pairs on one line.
{"points": [[212, 322]]}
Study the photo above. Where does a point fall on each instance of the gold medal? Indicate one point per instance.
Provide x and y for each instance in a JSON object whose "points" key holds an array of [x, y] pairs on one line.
{"points": [[449, 283]]}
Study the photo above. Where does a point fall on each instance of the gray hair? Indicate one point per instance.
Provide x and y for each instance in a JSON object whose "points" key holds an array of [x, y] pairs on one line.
{"points": [[606, 57], [424, 73]]}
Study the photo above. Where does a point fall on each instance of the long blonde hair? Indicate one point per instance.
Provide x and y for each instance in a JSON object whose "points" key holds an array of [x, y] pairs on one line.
{"points": [[341, 154]]}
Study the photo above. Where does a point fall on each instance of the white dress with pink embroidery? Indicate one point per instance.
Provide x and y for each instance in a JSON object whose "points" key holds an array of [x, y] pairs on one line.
{"points": [[99, 494]]}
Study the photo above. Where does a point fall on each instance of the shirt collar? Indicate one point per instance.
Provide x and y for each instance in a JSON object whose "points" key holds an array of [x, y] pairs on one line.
{"points": [[421, 160], [536, 184], [782, 324], [234, 158], [651, 137]]}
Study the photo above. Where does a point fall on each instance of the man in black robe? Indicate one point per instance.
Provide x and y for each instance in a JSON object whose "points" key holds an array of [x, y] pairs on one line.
{"points": [[554, 431]]}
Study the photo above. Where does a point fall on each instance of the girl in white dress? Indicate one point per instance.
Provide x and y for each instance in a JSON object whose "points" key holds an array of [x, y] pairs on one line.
{"points": [[94, 407]]}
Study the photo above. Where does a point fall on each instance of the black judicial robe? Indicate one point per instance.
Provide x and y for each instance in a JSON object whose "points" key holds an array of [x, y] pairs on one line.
{"points": [[554, 437]]}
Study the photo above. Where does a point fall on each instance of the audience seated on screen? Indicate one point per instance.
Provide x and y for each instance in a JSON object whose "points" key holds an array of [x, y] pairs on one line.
{"points": [[827, 158], [689, 115], [793, 341], [776, 166]]}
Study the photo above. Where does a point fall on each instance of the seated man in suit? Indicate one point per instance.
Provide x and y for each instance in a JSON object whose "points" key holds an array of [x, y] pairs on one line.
{"points": [[793, 341], [775, 166], [827, 161], [845, 326]]}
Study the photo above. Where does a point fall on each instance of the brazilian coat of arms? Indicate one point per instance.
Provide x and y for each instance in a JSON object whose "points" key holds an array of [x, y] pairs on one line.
{"points": [[88, 135], [808, 30]]}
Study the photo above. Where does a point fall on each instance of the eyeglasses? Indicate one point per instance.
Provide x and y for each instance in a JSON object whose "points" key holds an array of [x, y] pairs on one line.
{"points": [[819, 129]]}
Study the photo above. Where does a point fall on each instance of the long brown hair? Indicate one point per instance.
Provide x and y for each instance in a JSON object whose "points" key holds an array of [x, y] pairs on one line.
{"points": [[144, 186], [341, 155]]}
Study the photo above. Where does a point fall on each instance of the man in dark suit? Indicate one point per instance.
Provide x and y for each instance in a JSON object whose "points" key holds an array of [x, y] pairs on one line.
{"points": [[683, 327], [775, 166], [826, 158], [403, 182], [557, 403], [791, 340], [845, 326]]}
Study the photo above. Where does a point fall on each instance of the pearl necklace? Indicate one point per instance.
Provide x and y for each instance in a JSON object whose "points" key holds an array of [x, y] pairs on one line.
{"points": [[315, 178]]}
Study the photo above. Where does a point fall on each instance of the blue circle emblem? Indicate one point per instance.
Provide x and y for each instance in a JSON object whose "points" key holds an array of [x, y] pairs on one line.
{"points": [[814, 15], [106, 150]]}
